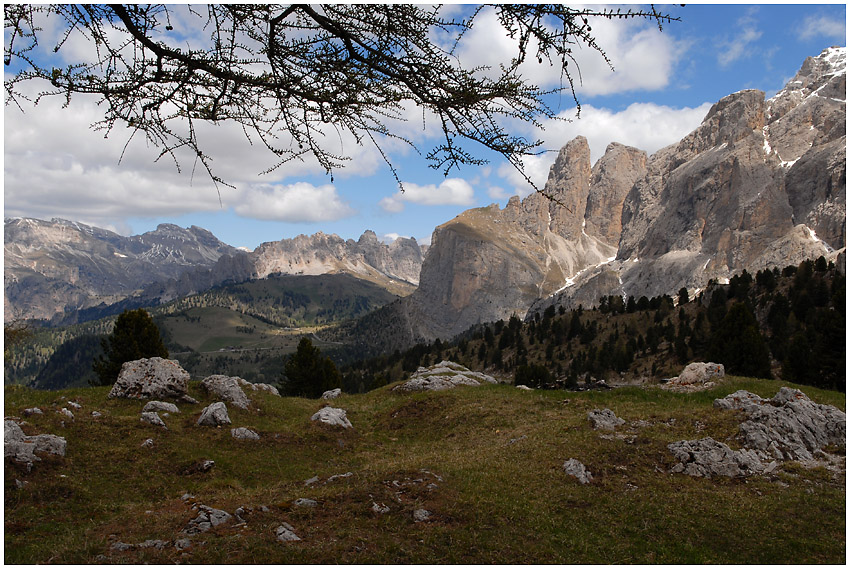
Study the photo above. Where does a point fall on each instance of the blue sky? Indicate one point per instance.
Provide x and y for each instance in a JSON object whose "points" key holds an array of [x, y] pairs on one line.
{"points": [[663, 84]]}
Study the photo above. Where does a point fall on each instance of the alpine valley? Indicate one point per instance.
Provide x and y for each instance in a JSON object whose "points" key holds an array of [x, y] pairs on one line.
{"points": [[760, 184]]}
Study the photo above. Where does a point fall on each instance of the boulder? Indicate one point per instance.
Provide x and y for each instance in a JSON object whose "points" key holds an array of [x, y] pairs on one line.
{"points": [[332, 394], [696, 376], [207, 519], [421, 515], [152, 418], [789, 426], [573, 467], [22, 448], [227, 388], [604, 419], [444, 375], [214, 415], [708, 457], [305, 503], [285, 533], [259, 386], [332, 416], [244, 433], [156, 406], [33, 411], [151, 378]]}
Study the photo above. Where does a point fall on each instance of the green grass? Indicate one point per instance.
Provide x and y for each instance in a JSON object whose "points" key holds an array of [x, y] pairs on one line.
{"points": [[495, 454]]}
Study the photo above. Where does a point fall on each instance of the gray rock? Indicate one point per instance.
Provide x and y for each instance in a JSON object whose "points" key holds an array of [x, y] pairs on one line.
{"points": [[311, 481], [574, 468], [121, 546], [153, 544], [74, 405], [604, 419], [153, 419], [147, 443], [96, 414], [790, 426], [444, 375], [306, 503], [183, 544], [380, 508], [708, 457], [741, 399], [228, 389], [244, 433], [286, 533], [33, 411], [332, 394], [332, 416], [151, 378], [258, 386], [66, 412], [23, 448], [338, 476], [214, 415], [421, 515], [207, 519], [696, 376], [163, 406]]}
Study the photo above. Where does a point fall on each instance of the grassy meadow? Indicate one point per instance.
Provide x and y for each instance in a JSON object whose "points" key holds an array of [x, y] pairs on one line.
{"points": [[485, 461]]}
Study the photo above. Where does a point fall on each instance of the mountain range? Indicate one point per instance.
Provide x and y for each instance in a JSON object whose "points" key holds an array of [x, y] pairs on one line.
{"points": [[760, 183]]}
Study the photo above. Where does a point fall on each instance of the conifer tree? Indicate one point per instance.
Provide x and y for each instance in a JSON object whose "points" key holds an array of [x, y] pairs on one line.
{"points": [[737, 343], [135, 336], [309, 374]]}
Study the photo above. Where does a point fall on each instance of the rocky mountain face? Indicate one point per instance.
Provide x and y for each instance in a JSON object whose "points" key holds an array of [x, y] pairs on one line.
{"points": [[760, 183], [58, 266]]}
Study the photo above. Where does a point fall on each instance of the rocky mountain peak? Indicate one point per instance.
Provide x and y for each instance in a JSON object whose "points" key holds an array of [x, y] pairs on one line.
{"points": [[612, 177]]}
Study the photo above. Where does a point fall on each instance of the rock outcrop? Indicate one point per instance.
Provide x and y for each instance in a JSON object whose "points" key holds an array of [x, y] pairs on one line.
{"points": [[22, 448], [604, 419], [226, 388], [151, 378], [696, 376], [576, 469], [444, 375], [333, 417]]}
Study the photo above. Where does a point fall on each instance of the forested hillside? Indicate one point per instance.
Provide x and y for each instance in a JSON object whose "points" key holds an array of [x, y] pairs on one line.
{"points": [[788, 324]]}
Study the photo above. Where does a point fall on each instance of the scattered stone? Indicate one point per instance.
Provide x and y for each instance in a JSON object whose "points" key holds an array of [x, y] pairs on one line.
{"points": [[640, 424], [22, 448], [20, 484], [207, 519], [121, 546], [183, 544], [96, 414], [198, 467], [244, 433], [74, 405], [573, 467], [604, 419], [154, 543], [33, 411], [739, 400], [311, 481], [332, 416], [525, 388], [160, 406], [286, 533], [338, 476], [380, 508], [186, 497], [151, 378], [332, 394], [696, 376], [153, 419], [66, 412], [306, 503], [214, 415], [444, 375], [421, 515], [516, 440], [227, 388], [147, 443], [708, 457]]}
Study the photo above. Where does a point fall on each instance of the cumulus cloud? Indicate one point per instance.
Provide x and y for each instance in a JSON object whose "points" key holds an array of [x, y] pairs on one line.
{"points": [[646, 126], [452, 191], [823, 26], [293, 203], [643, 57]]}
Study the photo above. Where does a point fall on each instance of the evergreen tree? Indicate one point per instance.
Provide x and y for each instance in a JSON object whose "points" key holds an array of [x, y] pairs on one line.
{"points": [[309, 374], [737, 343], [135, 336]]}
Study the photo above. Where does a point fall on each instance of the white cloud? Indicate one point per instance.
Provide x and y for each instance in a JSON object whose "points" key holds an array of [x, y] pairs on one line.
{"points": [[452, 191], [643, 57], [293, 203], [823, 26], [740, 45], [646, 126]]}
